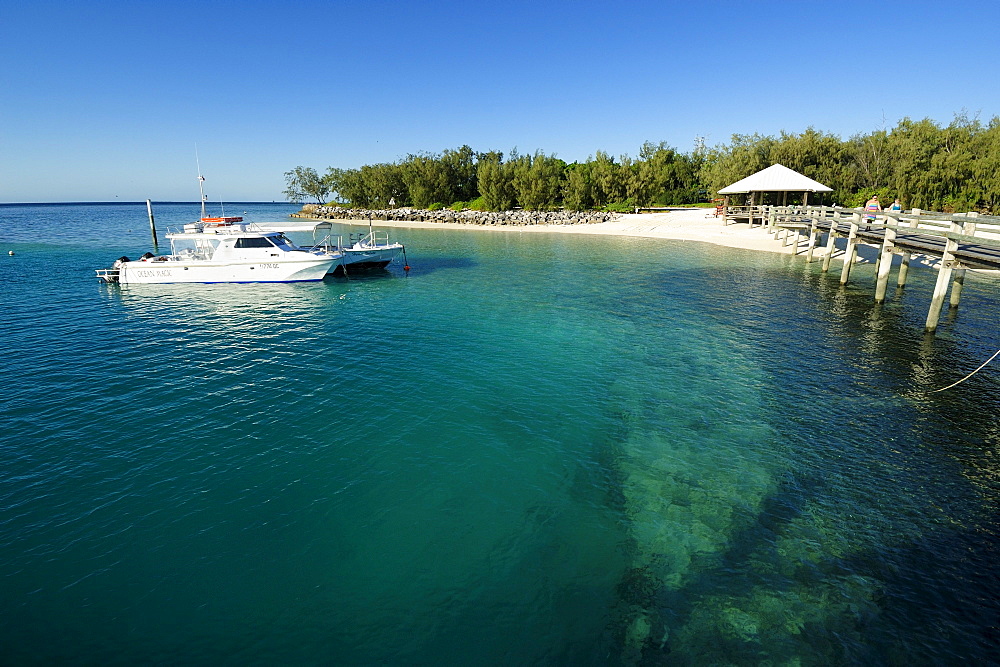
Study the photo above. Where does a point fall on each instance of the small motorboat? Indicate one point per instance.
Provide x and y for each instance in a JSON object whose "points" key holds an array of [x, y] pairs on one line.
{"points": [[360, 252]]}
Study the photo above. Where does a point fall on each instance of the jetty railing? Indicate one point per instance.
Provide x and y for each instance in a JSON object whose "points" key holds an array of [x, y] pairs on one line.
{"points": [[960, 241]]}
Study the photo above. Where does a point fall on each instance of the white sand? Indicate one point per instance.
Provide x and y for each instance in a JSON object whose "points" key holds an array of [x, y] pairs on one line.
{"points": [[685, 225]]}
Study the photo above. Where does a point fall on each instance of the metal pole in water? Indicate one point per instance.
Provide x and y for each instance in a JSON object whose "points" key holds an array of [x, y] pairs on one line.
{"points": [[152, 223]]}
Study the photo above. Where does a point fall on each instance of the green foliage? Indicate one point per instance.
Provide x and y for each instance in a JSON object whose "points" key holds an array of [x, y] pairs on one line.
{"points": [[578, 189], [436, 206], [460, 167], [606, 178], [303, 182], [459, 206], [351, 187], [427, 180], [384, 186], [627, 206], [495, 182], [929, 166], [537, 181]]}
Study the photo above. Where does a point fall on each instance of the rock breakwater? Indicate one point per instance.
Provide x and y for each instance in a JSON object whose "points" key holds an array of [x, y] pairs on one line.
{"points": [[466, 217]]}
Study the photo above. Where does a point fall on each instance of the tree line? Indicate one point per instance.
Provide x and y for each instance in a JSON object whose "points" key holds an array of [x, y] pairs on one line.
{"points": [[926, 165]]}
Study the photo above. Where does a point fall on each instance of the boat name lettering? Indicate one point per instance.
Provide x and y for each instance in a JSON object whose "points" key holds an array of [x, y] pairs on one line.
{"points": [[162, 273], [268, 266]]}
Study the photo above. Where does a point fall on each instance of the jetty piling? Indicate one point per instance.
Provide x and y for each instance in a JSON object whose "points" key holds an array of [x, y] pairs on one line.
{"points": [[958, 279], [885, 261], [962, 241], [904, 264], [851, 253]]}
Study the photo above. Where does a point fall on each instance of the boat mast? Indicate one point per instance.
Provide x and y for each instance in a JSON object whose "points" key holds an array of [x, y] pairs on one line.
{"points": [[201, 182]]}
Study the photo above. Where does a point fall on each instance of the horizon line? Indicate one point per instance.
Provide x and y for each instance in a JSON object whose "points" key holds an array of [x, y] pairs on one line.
{"points": [[138, 201]]}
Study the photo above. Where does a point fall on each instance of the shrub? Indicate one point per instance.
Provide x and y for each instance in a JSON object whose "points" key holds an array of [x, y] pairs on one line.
{"points": [[458, 206], [478, 204], [436, 206], [626, 206]]}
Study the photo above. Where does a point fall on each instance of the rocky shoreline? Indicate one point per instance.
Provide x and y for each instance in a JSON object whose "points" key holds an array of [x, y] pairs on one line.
{"points": [[466, 217]]}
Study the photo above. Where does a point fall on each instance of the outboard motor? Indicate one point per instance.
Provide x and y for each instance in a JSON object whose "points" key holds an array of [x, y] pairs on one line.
{"points": [[118, 262], [147, 255]]}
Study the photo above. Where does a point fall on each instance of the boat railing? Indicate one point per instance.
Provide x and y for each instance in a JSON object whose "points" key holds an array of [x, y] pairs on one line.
{"points": [[221, 228], [369, 239], [108, 275], [328, 243]]}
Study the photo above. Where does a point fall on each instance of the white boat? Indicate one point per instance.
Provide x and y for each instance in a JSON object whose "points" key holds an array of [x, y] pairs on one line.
{"points": [[224, 250], [362, 251], [227, 253]]}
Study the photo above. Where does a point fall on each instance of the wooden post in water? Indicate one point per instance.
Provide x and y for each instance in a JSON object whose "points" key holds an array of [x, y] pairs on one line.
{"points": [[959, 280], [813, 233], [904, 266], [885, 260], [944, 277], [852, 248], [831, 241], [152, 223]]}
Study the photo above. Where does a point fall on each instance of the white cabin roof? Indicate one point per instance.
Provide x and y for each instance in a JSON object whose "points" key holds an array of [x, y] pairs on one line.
{"points": [[776, 178]]}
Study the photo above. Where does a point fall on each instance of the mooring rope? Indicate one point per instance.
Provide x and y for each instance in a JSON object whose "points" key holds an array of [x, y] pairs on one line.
{"points": [[995, 355]]}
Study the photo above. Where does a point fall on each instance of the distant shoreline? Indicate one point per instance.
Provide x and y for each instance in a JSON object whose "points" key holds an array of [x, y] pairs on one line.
{"points": [[140, 203]]}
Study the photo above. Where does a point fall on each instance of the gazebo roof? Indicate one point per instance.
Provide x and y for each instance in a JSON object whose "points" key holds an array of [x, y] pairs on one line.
{"points": [[776, 178]]}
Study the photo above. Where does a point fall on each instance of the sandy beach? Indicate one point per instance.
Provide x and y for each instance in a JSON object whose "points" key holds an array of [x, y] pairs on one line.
{"points": [[682, 224], [686, 225]]}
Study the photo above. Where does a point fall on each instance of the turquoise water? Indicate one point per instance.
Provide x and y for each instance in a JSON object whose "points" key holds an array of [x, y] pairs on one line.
{"points": [[533, 449]]}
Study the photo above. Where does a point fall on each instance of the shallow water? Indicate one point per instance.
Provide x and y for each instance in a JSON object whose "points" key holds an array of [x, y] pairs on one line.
{"points": [[532, 449]]}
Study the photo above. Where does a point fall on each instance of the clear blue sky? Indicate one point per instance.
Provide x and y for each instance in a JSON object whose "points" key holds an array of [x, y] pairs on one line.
{"points": [[107, 100]]}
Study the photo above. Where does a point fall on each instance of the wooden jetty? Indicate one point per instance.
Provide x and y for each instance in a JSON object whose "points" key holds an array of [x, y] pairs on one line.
{"points": [[959, 241]]}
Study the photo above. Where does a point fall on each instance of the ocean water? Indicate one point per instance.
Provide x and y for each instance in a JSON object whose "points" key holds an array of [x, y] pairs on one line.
{"points": [[532, 449]]}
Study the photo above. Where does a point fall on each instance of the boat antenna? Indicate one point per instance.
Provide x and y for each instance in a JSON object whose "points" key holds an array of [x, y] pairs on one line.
{"points": [[201, 181]]}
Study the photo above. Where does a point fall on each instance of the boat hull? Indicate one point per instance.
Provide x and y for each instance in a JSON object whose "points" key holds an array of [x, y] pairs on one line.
{"points": [[365, 259], [208, 272]]}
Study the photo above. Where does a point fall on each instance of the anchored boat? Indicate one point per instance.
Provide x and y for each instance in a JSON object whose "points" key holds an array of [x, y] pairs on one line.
{"points": [[362, 251], [227, 253], [224, 250]]}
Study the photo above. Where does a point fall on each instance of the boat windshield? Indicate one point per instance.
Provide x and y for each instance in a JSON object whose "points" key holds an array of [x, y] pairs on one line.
{"points": [[281, 240]]}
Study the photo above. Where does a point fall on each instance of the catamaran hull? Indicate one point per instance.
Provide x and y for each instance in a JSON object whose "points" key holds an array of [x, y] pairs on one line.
{"points": [[202, 272]]}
